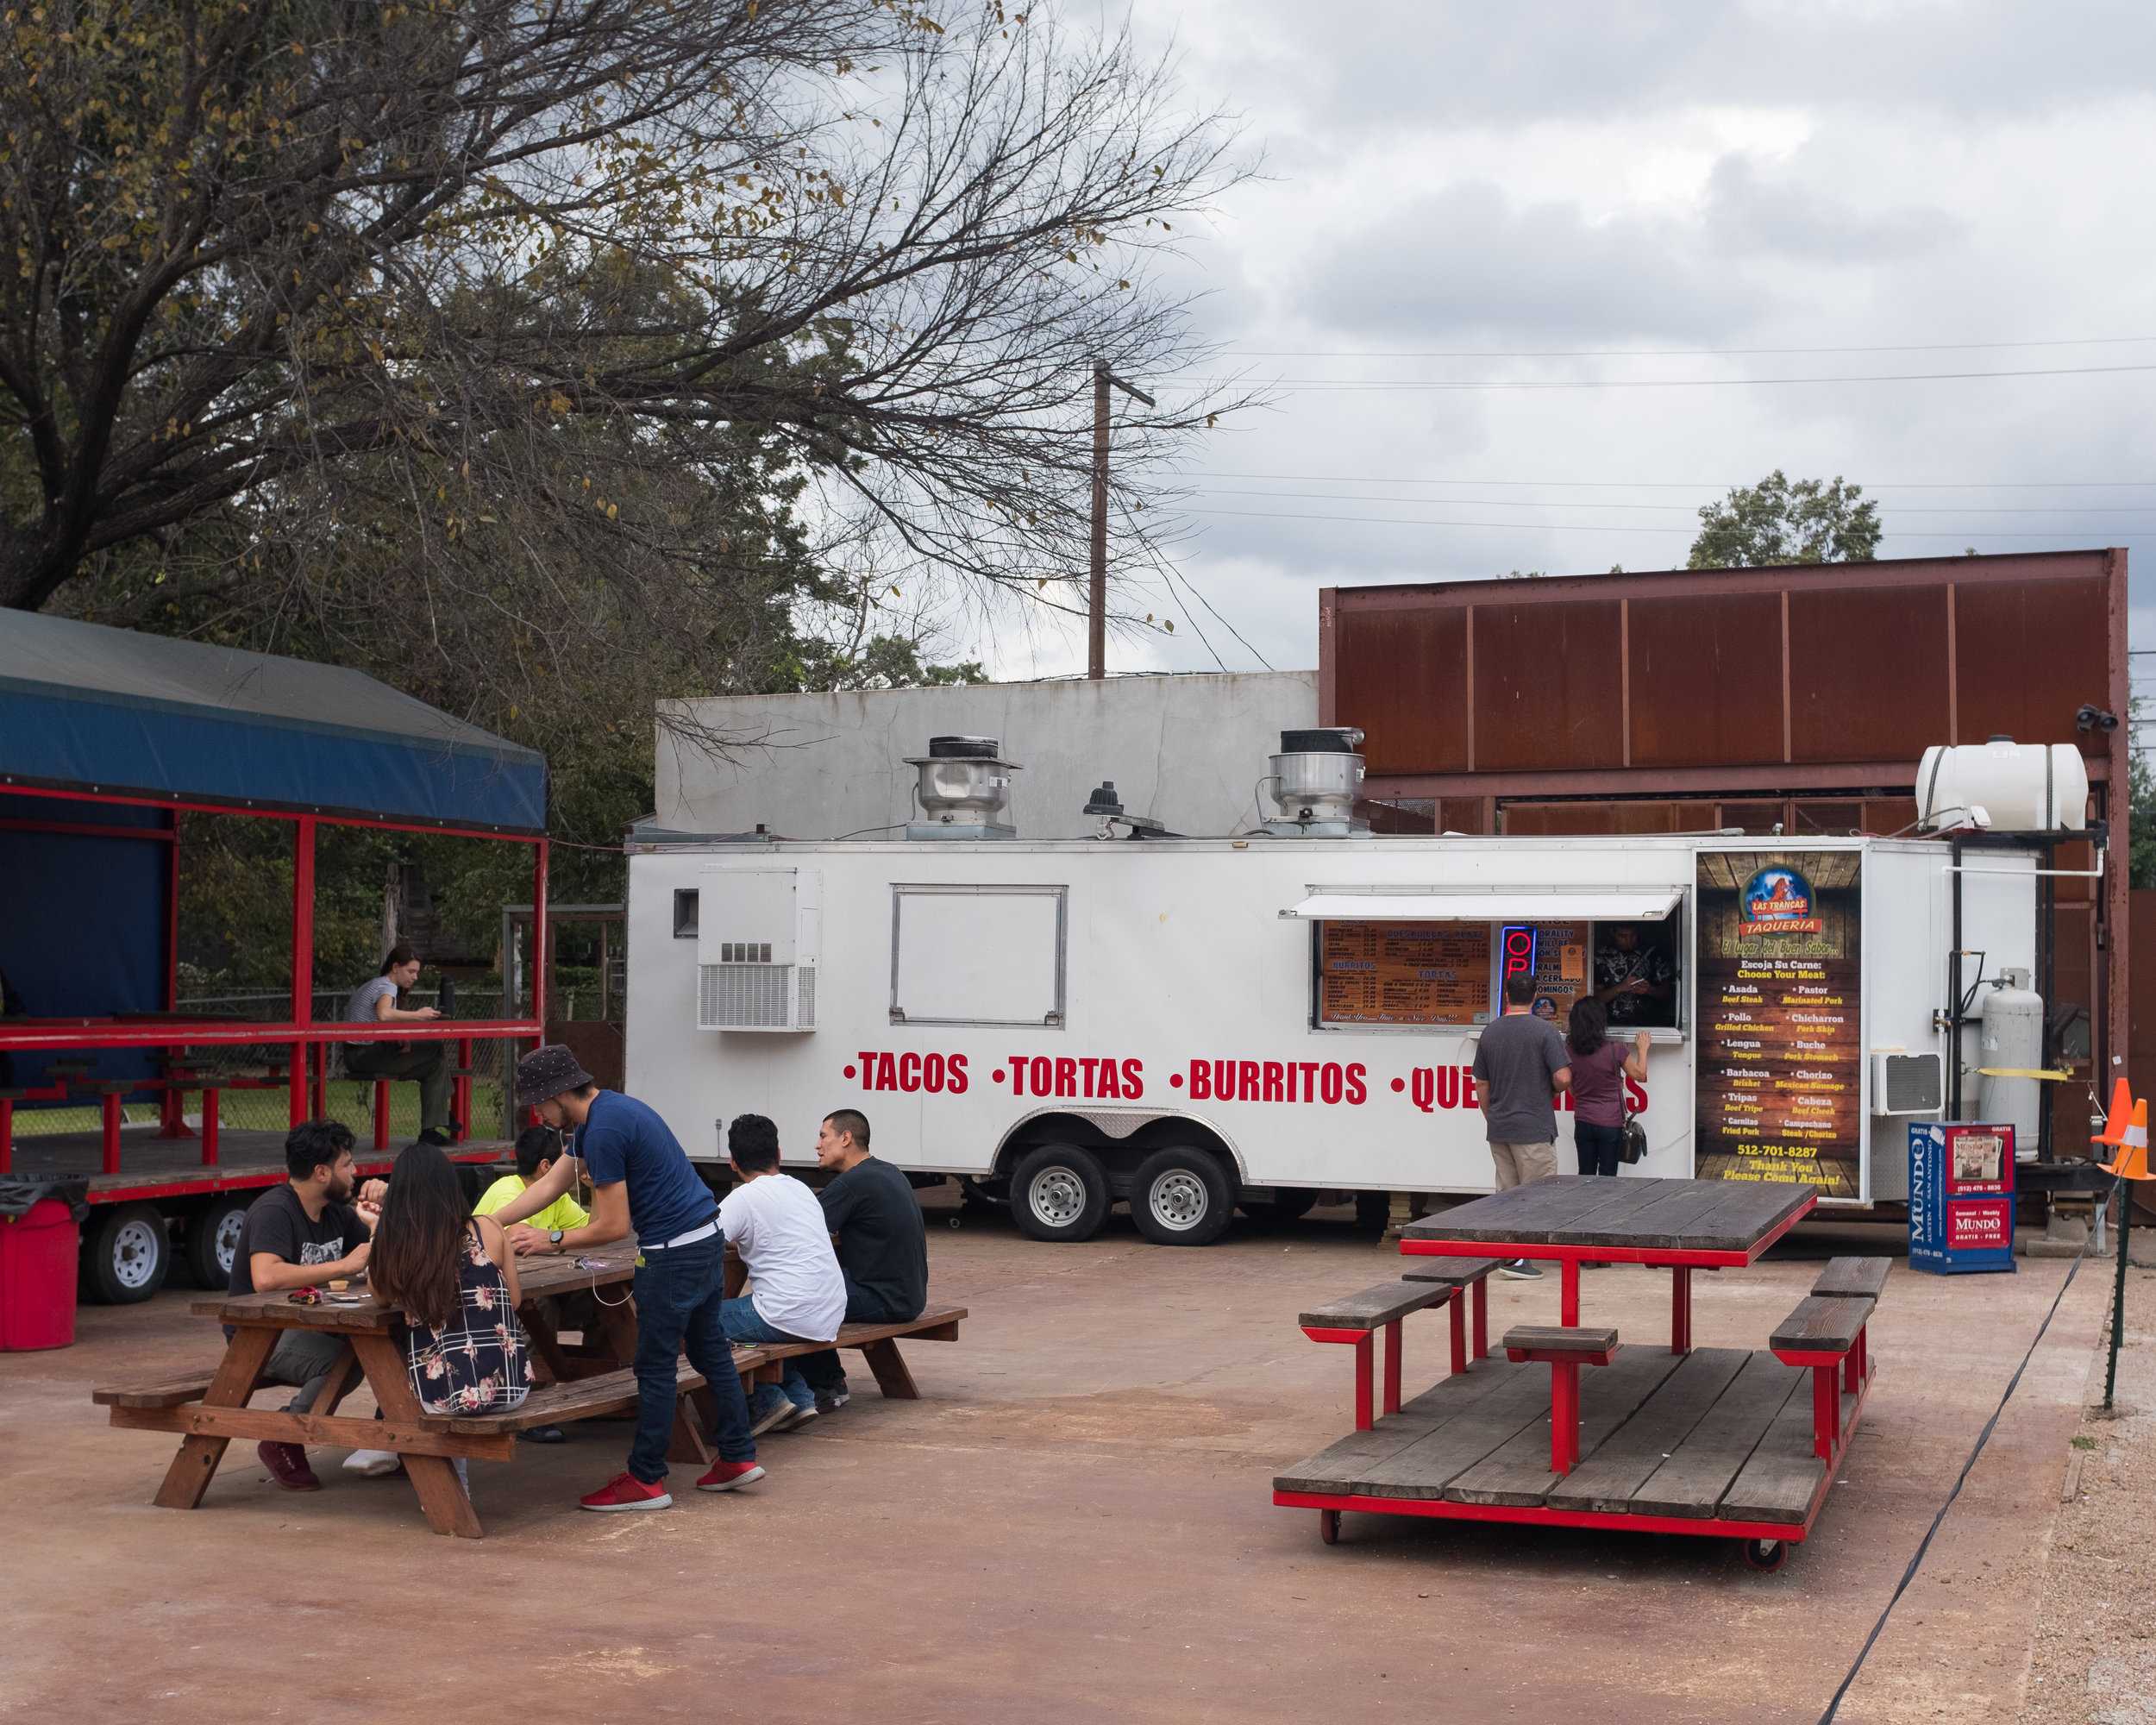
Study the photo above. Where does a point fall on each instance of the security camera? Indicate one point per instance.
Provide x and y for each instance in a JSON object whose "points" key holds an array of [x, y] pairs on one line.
{"points": [[2088, 717]]}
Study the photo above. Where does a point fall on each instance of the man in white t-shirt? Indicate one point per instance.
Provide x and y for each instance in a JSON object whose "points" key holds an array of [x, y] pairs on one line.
{"points": [[796, 1290]]}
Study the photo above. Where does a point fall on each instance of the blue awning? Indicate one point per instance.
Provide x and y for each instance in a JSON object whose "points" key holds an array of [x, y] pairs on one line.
{"points": [[84, 707]]}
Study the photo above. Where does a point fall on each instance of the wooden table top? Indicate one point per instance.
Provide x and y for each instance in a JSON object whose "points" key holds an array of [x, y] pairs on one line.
{"points": [[1651, 1216], [540, 1274]]}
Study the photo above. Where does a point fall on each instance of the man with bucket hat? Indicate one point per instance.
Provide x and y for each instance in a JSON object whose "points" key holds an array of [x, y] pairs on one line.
{"points": [[641, 1180]]}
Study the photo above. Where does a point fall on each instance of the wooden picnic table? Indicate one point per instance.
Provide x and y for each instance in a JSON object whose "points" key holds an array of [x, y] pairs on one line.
{"points": [[209, 1415], [1718, 1442]]}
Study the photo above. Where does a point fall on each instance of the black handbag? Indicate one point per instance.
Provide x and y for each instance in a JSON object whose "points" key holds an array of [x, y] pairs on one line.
{"points": [[1634, 1147]]}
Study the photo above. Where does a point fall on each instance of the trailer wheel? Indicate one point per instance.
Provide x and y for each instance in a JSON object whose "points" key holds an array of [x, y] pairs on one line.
{"points": [[128, 1255], [213, 1240], [1059, 1192], [1181, 1197], [1329, 1526], [1766, 1555]]}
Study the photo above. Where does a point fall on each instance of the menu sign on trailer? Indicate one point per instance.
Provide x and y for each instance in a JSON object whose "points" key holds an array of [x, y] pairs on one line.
{"points": [[1780, 1073], [1404, 973]]}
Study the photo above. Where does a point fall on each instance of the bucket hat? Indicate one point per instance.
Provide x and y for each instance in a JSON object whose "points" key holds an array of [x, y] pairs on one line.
{"points": [[547, 1072]]}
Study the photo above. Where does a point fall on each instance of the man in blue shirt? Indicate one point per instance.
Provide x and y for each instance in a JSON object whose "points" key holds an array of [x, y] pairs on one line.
{"points": [[641, 1180]]}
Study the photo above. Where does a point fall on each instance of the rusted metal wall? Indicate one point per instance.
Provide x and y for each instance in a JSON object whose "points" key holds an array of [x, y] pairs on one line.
{"points": [[1691, 700]]}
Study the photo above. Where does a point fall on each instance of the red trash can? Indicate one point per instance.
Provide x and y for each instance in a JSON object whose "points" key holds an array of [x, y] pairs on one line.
{"points": [[38, 1255]]}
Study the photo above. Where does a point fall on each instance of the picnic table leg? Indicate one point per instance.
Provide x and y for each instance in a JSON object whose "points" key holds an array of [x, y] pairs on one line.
{"points": [[442, 1495], [7, 1134], [237, 1373], [1826, 1410], [1458, 1308], [381, 1114], [1392, 1366], [896, 1381], [1854, 1369], [687, 1444], [344, 1378], [1681, 1308], [618, 1320], [546, 1341], [1569, 1291], [1482, 1320], [1565, 1415]]}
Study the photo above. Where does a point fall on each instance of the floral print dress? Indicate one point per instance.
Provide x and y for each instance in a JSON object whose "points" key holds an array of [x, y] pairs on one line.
{"points": [[481, 1362]]}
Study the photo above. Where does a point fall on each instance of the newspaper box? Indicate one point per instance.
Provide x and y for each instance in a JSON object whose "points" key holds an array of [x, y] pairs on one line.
{"points": [[1961, 1197]]}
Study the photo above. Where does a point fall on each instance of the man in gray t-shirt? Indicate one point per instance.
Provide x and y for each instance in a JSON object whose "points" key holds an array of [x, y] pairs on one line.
{"points": [[1520, 1066]]}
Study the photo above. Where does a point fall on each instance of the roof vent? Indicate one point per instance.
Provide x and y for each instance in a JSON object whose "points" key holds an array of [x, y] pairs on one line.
{"points": [[962, 789], [1315, 779]]}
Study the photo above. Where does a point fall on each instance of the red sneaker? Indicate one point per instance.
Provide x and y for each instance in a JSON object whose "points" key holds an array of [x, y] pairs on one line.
{"points": [[626, 1491], [726, 1475], [287, 1465]]}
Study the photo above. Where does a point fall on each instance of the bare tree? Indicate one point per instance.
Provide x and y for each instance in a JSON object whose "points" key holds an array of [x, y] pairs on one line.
{"points": [[600, 319]]}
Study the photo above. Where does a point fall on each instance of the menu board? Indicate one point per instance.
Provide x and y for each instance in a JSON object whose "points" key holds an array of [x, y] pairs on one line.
{"points": [[1555, 954], [1404, 973], [1779, 1074]]}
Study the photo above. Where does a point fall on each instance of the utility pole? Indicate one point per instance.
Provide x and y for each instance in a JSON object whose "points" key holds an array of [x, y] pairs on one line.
{"points": [[1097, 613]]}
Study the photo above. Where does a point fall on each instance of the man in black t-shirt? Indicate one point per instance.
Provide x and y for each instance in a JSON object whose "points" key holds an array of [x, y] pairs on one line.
{"points": [[882, 1242], [299, 1235]]}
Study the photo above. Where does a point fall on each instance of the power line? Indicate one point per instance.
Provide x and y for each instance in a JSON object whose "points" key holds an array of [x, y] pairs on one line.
{"points": [[1331, 387], [1672, 353], [1604, 503], [1685, 485], [1568, 526]]}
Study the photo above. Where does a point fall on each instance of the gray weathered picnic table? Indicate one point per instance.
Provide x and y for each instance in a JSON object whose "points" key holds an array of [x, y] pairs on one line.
{"points": [[1713, 1441]]}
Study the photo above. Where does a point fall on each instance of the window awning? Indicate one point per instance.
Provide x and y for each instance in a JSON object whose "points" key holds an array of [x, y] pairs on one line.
{"points": [[1612, 904]]}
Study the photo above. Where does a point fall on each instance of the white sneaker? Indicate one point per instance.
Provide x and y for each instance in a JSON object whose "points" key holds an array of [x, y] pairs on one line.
{"points": [[374, 1463]]}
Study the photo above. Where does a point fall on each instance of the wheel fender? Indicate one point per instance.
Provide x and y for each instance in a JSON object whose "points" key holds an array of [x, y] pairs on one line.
{"points": [[1114, 1124]]}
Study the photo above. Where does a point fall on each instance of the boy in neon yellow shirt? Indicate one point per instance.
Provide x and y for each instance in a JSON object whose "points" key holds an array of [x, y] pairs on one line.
{"points": [[537, 1148]]}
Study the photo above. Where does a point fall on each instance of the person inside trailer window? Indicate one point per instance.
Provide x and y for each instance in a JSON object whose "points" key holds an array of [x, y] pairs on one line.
{"points": [[1635, 975]]}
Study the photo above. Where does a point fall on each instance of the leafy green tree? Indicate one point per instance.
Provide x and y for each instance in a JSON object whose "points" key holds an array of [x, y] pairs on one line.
{"points": [[1778, 521]]}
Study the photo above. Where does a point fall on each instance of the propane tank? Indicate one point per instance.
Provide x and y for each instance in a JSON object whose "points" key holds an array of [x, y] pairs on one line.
{"points": [[2012, 1036]]}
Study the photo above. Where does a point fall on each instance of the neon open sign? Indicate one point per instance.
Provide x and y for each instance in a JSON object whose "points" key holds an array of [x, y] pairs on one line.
{"points": [[1516, 950]]}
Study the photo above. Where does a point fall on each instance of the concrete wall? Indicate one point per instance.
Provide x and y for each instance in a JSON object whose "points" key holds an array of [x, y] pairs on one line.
{"points": [[1188, 751]]}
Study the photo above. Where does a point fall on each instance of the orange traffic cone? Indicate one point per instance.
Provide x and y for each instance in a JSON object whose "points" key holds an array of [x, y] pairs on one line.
{"points": [[2121, 1118], [2132, 1156]]}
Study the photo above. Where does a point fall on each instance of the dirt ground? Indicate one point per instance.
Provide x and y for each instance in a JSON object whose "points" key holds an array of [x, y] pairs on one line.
{"points": [[1074, 1524]]}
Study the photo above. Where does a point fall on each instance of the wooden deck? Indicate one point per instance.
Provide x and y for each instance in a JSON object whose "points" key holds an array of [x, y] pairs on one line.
{"points": [[1717, 1435], [163, 1167]]}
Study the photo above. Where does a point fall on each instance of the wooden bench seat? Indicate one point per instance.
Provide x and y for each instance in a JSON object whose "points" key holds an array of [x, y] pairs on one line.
{"points": [[1471, 1274], [1372, 1307], [172, 1392], [1826, 1332], [1564, 1348], [1854, 1279], [559, 1404], [1355, 1318], [878, 1344]]}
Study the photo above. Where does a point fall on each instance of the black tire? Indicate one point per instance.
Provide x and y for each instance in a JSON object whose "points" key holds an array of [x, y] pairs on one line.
{"points": [[1329, 1526], [1059, 1192], [127, 1255], [1766, 1555], [213, 1236], [1181, 1197]]}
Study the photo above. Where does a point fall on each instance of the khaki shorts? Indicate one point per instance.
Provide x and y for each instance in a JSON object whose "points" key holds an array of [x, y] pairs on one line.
{"points": [[1520, 1164]]}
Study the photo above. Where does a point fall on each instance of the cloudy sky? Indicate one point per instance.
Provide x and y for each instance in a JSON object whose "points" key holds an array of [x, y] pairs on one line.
{"points": [[1544, 194]]}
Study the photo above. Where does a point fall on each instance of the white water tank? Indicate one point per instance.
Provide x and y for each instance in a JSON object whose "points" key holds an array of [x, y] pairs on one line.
{"points": [[2020, 787], [2011, 1038]]}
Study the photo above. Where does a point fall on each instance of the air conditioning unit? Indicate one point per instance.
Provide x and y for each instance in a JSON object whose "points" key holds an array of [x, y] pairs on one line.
{"points": [[1908, 1083], [758, 936]]}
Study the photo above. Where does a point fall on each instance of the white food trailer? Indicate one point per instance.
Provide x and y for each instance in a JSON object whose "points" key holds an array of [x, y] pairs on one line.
{"points": [[1186, 1024]]}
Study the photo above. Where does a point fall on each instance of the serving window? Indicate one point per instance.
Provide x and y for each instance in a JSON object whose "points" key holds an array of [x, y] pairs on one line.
{"points": [[1428, 975]]}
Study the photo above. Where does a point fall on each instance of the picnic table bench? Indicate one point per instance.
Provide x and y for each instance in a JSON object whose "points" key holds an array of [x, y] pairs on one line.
{"points": [[1714, 1441]]}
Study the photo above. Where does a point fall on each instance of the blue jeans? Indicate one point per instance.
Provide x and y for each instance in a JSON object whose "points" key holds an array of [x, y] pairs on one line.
{"points": [[679, 1294], [1600, 1148], [742, 1324]]}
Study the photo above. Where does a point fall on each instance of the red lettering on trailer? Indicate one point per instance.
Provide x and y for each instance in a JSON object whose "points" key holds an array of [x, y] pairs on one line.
{"points": [[909, 1071], [1066, 1075], [1133, 1080], [956, 1082], [1273, 1082], [1041, 1073], [1111, 1080], [887, 1073], [1635, 1096], [1357, 1092]]}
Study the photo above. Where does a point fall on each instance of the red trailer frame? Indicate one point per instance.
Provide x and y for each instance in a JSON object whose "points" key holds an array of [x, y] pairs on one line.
{"points": [[307, 1037]]}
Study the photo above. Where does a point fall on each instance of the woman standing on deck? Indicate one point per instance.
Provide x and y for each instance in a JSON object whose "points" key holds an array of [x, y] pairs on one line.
{"points": [[1599, 1067]]}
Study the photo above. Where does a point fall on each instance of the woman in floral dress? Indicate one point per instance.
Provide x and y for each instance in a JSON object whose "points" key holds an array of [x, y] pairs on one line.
{"points": [[455, 1278]]}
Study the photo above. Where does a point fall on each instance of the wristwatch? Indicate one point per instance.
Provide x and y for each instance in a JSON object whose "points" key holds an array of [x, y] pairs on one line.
{"points": [[553, 1237]]}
